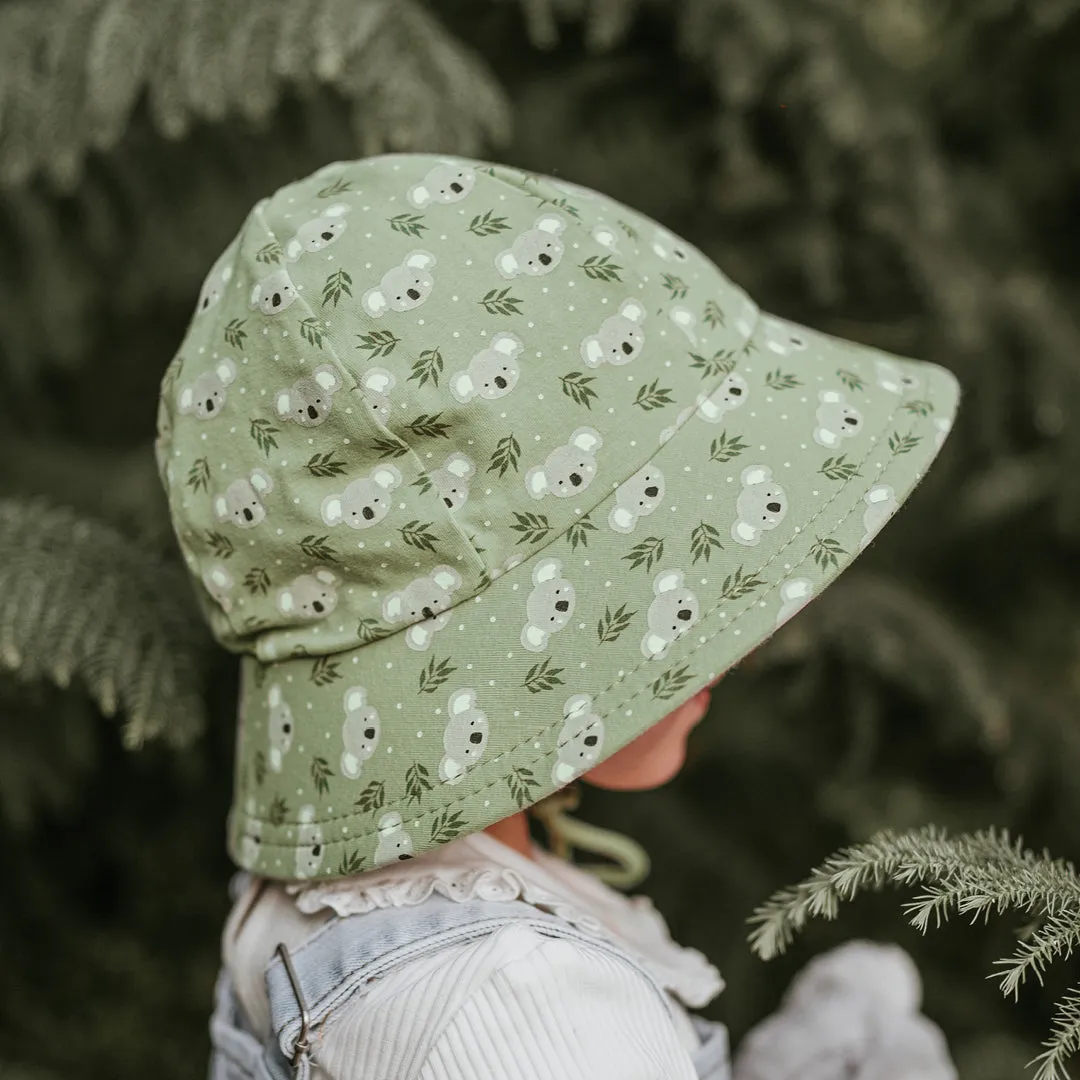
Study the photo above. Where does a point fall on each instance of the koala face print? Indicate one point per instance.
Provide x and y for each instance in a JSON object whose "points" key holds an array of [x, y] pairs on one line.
{"points": [[452, 480], [213, 287], [731, 394], [569, 469], [536, 251], [280, 727], [669, 247], [320, 233], [360, 732], [242, 501], [365, 502], [447, 182], [620, 338], [274, 294], [580, 740], [636, 498], [422, 605], [395, 843], [309, 596], [881, 504], [762, 505], [686, 321], [550, 605], [375, 384], [219, 583], [206, 395], [492, 373], [781, 336], [673, 611], [606, 237], [836, 419], [307, 402], [890, 378], [309, 852], [403, 287], [465, 737], [795, 594]]}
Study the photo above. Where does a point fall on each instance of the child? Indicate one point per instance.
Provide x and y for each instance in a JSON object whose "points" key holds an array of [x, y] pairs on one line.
{"points": [[489, 478]]}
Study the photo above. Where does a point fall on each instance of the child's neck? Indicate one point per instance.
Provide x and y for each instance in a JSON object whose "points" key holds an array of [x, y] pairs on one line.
{"points": [[514, 833]]}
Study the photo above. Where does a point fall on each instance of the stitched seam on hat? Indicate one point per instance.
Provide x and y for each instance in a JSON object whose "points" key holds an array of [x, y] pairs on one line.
{"points": [[474, 794], [466, 542]]}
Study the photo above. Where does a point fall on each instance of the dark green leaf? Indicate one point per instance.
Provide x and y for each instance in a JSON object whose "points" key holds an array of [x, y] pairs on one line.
{"points": [[325, 465], [648, 553], [416, 534], [724, 448], [704, 540], [235, 334], [601, 268], [670, 683], [533, 527], [613, 624], [541, 676], [378, 343], [505, 456], [198, 477], [317, 548], [498, 302], [263, 432], [408, 224], [428, 367], [434, 675], [576, 387], [338, 283]]}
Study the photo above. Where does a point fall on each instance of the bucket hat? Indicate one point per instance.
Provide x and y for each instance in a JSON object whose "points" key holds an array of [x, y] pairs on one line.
{"points": [[482, 474]]}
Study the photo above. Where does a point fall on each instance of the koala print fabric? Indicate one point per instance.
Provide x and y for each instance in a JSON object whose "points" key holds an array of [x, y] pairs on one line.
{"points": [[482, 475]]}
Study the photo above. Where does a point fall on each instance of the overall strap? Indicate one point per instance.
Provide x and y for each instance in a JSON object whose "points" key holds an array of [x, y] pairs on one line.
{"points": [[307, 984]]}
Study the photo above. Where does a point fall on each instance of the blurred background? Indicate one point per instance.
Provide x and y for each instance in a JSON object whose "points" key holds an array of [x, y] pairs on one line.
{"points": [[902, 172]]}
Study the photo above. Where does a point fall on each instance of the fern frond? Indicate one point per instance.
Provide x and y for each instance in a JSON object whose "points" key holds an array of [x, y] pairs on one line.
{"points": [[78, 601], [72, 71]]}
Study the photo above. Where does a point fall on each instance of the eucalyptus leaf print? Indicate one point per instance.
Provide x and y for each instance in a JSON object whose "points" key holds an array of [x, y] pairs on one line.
{"points": [[482, 474]]}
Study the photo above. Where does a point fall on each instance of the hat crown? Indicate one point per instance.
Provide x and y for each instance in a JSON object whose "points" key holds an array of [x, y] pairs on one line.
{"points": [[407, 374]]}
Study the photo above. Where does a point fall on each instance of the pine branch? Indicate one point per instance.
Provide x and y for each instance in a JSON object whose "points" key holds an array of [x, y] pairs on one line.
{"points": [[968, 874], [72, 72], [80, 602]]}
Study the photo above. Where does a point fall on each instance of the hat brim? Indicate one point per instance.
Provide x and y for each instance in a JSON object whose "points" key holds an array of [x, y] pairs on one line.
{"points": [[752, 522]]}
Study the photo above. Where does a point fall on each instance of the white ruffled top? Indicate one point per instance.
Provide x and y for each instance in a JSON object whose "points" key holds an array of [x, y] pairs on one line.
{"points": [[478, 865]]}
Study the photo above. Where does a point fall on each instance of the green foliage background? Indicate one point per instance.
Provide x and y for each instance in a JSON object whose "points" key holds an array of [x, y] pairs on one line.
{"points": [[903, 172]]}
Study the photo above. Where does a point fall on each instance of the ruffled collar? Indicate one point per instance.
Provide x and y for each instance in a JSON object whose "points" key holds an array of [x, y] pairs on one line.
{"points": [[478, 865]]}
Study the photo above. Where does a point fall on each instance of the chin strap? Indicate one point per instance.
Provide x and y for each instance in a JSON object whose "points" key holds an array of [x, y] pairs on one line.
{"points": [[566, 834]]}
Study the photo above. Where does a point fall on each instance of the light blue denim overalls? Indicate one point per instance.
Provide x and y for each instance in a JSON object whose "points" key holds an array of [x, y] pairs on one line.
{"points": [[339, 960]]}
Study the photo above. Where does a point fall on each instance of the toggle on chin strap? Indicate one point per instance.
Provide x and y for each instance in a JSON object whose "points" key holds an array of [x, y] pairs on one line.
{"points": [[566, 833]]}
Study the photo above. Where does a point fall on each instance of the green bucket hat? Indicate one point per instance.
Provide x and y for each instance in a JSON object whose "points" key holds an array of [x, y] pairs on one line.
{"points": [[483, 474]]}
